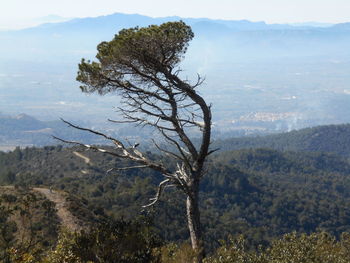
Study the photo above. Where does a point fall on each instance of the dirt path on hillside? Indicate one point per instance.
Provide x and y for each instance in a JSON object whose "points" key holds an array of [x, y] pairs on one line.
{"points": [[86, 159], [66, 217], [7, 186]]}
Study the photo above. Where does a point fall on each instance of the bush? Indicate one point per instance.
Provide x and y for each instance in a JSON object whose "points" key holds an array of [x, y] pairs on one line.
{"points": [[111, 241], [291, 248], [175, 253]]}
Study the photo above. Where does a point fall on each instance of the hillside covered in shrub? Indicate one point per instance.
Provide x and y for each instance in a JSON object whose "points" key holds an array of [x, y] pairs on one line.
{"points": [[260, 193], [329, 138]]}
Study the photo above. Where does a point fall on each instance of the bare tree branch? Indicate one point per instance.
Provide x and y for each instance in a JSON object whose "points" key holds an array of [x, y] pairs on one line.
{"points": [[159, 192], [126, 168], [167, 152], [124, 153], [118, 143]]}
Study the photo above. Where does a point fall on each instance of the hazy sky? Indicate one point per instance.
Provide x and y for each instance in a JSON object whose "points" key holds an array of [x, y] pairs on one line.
{"points": [[16, 13]]}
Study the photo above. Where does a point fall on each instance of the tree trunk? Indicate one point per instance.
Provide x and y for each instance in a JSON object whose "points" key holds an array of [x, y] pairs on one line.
{"points": [[194, 224]]}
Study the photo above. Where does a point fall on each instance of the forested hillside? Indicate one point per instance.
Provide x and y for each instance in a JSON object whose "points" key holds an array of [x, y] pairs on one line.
{"points": [[260, 193], [329, 138]]}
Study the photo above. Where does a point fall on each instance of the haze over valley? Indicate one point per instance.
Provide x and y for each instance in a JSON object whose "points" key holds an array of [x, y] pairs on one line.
{"points": [[261, 78]]}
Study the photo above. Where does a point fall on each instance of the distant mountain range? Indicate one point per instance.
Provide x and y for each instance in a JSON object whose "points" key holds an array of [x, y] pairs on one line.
{"points": [[250, 68], [82, 34], [26, 131]]}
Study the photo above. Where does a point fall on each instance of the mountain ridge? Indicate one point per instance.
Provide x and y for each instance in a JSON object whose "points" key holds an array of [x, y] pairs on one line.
{"points": [[240, 24], [327, 138]]}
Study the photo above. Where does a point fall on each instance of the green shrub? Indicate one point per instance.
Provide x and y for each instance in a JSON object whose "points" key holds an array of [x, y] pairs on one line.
{"points": [[116, 241], [291, 248]]}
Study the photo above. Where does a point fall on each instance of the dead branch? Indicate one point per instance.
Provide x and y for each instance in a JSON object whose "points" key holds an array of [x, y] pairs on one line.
{"points": [[126, 168], [159, 192]]}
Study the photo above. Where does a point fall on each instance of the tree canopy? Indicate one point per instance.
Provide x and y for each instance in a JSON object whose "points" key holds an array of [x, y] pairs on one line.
{"points": [[136, 56]]}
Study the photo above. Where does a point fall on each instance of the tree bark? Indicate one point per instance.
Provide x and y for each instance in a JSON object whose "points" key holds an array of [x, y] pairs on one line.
{"points": [[193, 219]]}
